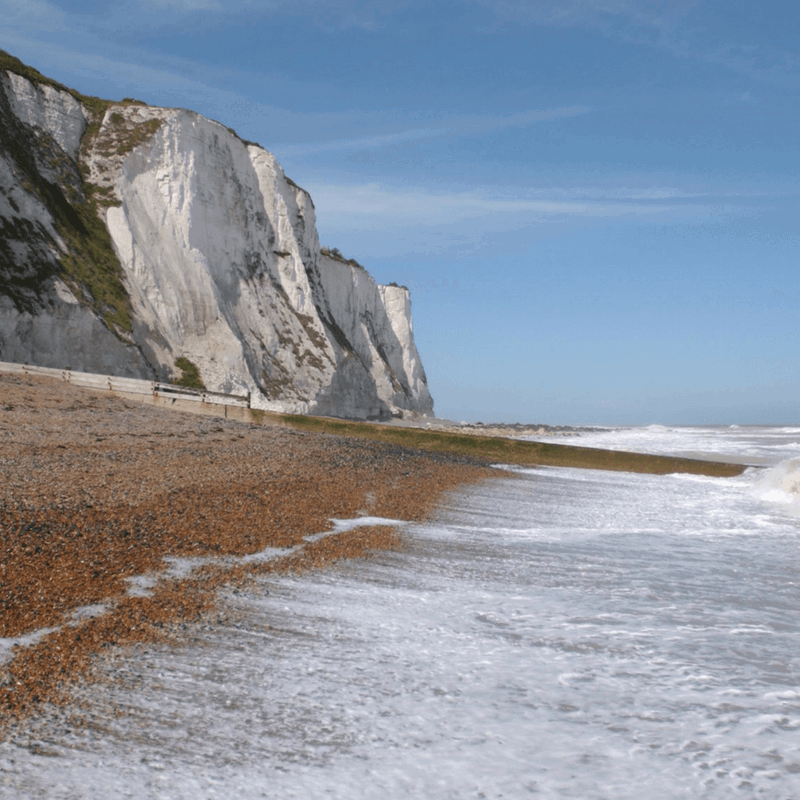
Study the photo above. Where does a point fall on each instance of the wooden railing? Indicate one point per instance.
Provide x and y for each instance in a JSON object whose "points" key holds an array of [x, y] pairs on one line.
{"points": [[111, 383]]}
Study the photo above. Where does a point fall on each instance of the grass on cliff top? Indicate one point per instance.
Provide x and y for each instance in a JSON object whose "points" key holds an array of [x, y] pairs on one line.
{"points": [[96, 104], [513, 451], [13, 64], [336, 254]]}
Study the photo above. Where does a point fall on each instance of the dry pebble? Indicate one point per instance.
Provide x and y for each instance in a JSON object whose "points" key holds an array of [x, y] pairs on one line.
{"points": [[95, 490]]}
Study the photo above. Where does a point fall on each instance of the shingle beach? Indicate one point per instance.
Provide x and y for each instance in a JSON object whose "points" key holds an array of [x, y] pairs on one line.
{"points": [[97, 491]]}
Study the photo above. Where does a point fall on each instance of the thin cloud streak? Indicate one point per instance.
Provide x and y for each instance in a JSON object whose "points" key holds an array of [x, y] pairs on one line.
{"points": [[124, 72], [660, 24], [179, 82], [143, 15], [373, 204], [466, 126], [333, 15], [170, 83], [43, 16]]}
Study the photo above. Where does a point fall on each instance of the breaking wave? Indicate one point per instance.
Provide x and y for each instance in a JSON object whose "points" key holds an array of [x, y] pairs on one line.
{"points": [[781, 483]]}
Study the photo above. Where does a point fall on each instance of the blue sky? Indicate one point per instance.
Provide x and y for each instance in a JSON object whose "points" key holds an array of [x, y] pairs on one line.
{"points": [[594, 202]]}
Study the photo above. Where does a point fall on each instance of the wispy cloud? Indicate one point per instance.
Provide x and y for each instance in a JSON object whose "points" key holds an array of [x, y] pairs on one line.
{"points": [[764, 63], [683, 28], [123, 69], [373, 204], [37, 15], [186, 6], [333, 15], [171, 81], [146, 15], [613, 17], [460, 126]]}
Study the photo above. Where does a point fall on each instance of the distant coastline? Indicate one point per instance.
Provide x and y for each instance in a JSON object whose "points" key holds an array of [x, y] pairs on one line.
{"points": [[501, 429]]}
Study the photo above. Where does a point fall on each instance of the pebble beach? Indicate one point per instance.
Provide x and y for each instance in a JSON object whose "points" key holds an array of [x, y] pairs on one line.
{"points": [[100, 496], [201, 608]]}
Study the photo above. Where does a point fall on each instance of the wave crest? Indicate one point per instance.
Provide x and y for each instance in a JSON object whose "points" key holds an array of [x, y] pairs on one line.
{"points": [[781, 483]]}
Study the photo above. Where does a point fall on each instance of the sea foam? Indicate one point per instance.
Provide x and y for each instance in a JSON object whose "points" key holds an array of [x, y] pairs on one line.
{"points": [[562, 634], [781, 484]]}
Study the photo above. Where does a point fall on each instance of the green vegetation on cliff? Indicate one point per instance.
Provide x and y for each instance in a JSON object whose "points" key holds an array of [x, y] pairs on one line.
{"points": [[336, 254], [191, 375], [90, 267], [96, 104]]}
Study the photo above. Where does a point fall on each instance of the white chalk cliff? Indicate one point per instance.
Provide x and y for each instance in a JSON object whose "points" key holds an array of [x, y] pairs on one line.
{"points": [[208, 252]]}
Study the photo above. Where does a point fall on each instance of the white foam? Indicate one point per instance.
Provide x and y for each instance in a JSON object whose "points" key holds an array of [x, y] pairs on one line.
{"points": [[180, 567], [7, 644], [183, 566], [780, 484], [565, 634], [78, 615], [344, 525], [141, 585], [270, 554], [752, 444]]}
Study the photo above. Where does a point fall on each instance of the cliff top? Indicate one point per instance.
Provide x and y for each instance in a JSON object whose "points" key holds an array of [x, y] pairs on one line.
{"points": [[96, 104]]}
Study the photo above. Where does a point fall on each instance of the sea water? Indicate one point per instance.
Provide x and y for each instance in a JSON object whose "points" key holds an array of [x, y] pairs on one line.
{"points": [[559, 634]]}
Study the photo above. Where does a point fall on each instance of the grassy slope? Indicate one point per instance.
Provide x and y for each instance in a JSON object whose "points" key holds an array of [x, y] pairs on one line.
{"points": [[91, 267], [512, 451], [12, 63]]}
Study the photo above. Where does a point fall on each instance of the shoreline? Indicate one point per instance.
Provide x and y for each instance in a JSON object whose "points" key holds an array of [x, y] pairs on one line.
{"points": [[98, 490], [495, 448]]}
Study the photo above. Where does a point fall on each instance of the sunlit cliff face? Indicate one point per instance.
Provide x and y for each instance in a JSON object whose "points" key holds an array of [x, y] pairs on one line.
{"points": [[134, 236]]}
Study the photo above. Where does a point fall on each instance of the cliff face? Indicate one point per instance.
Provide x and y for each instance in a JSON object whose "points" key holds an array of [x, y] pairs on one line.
{"points": [[132, 236]]}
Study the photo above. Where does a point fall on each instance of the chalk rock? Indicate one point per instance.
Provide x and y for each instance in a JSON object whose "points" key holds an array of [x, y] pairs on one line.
{"points": [[217, 252], [41, 320], [55, 112]]}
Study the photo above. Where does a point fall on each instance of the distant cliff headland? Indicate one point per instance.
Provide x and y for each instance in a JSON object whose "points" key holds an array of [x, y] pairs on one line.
{"points": [[154, 243]]}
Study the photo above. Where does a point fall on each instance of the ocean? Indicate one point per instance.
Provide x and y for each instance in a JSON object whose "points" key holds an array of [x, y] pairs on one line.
{"points": [[560, 634]]}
